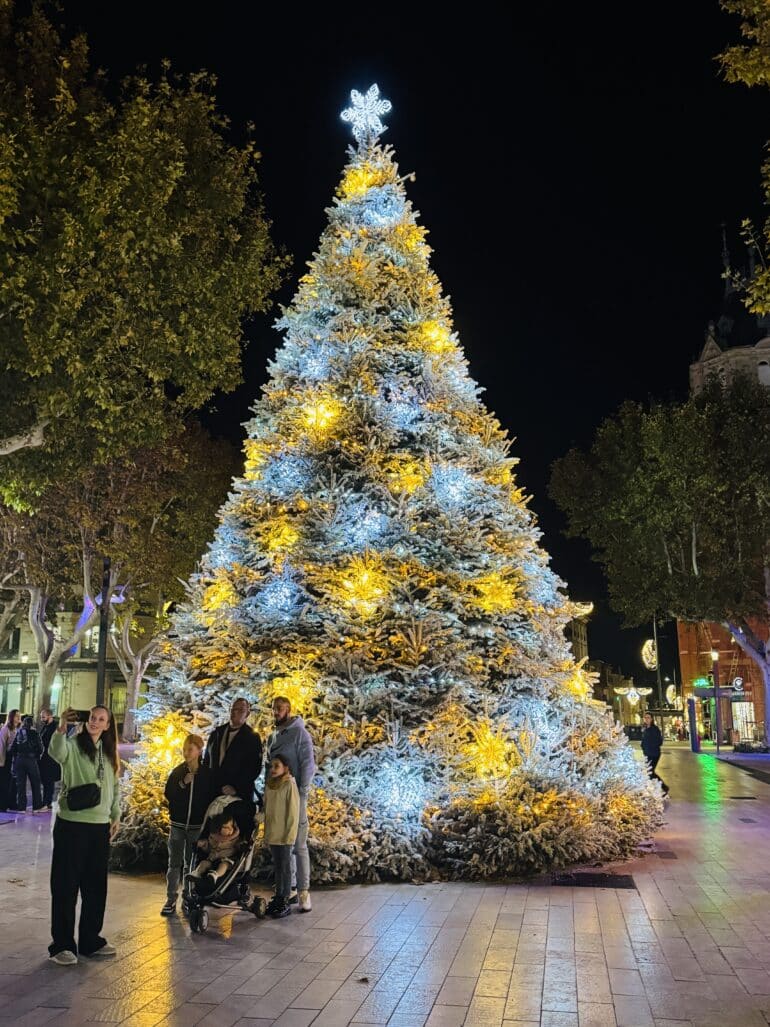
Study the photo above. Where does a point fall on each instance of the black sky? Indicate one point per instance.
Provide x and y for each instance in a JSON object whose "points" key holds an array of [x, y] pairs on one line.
{"points": [[574, 165]]}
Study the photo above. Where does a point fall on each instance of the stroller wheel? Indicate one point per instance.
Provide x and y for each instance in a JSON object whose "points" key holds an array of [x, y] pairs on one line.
{"points": [[195, 920], [186, 908], [259, 907], [204, 921]]}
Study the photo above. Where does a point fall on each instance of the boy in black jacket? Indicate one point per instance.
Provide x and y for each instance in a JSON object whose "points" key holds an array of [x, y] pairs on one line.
{"points": [[189, 790], [25, 754]]}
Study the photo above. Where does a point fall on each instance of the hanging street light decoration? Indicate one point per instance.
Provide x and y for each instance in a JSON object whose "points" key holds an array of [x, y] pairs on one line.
{"points": [[650, 654]]}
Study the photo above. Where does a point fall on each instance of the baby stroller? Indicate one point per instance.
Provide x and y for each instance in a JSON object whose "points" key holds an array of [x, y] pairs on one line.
{"points": [[233, 888]]}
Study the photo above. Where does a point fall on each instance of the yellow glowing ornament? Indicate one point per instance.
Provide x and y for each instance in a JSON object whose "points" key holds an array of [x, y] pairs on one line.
{"points": [[434, 336], [162, 740], [298, 686], [494, 593], [364, 584], [320, 415], [410, 236], [360, 179], [580, 683], [490, 754]]}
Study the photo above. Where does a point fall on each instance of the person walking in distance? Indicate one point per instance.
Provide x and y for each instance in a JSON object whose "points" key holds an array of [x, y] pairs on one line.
{"points": [[7, 780], [50, 771], [87, 820], [652, 742], [234, 756], [292, 742], [26, 752]]}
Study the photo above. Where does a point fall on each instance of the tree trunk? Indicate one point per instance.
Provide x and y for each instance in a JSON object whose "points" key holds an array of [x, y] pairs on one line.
{"points": [[133, 684], [30, 439]]}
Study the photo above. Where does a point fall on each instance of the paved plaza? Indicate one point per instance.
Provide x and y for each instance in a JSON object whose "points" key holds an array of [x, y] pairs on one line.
{"points": [[689, 944]]}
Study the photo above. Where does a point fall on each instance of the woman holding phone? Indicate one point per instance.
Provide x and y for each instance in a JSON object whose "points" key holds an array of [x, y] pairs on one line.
{"points": [[86, 822]]}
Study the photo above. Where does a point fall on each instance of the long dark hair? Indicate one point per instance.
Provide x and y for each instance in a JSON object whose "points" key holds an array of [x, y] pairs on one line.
{"points": [[109, 740], [10, 719]]}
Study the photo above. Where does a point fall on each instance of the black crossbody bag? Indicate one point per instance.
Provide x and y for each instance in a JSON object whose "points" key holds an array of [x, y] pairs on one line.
{"points": [[86, 796]]}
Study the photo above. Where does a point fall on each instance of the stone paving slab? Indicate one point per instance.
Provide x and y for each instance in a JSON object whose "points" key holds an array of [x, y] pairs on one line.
{"points": [[690, 947]]}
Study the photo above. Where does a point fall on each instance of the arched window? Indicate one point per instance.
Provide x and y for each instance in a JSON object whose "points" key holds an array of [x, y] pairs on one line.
{"points": [[763, 371]]}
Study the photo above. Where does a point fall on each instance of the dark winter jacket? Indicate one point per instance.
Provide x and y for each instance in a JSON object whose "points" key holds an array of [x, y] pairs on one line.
{"points": [[27, 743], [187, 804], [652, 740], [296, 746], [242, 763], [49, 768]]}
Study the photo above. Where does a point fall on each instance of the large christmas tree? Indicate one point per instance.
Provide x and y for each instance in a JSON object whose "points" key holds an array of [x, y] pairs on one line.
{"points": [[378, 565]]}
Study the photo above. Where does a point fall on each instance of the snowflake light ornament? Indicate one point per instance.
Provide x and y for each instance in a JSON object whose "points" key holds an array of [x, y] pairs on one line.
{"points": [[365, 114]]}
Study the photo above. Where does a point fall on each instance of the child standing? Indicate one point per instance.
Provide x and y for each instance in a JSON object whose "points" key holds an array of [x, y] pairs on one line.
{"points": [[220, 848], [188, 793], [281, 825]]}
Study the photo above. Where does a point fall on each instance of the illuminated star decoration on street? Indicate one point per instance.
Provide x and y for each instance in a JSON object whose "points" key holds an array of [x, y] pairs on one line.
{"points": [[365, 114]]}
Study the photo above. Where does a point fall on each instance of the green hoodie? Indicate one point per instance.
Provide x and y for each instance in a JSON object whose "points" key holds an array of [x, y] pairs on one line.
{"points": [[77, 769]]}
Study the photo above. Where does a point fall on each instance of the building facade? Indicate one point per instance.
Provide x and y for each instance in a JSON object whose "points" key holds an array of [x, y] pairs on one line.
{"points": [[74, 685]]}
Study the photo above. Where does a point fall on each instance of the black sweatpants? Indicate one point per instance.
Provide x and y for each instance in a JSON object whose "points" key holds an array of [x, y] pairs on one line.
{"points": [[652, 762], [28, 768], [79, 864]]}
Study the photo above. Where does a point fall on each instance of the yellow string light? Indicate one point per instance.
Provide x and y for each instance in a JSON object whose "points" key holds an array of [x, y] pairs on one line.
{"points": [[218, 594], [278, 534], [256, 457], [359, 179], [494, 593], [320, 415], [363, 584], [404, 473], [298, 686], [490, 754], [433, 336]]}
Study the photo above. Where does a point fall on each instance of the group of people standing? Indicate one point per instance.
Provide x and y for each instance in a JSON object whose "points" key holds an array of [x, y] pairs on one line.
{"points": [[231, 764], [26, 767]]}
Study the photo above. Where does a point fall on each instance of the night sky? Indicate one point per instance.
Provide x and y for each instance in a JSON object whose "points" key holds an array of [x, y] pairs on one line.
{"points": [[573, 167]]}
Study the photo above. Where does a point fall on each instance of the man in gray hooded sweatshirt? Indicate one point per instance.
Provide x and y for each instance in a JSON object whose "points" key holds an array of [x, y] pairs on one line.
{"points": [[291, 740]]}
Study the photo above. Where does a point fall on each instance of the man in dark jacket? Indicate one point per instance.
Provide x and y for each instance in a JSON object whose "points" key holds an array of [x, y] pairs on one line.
{"points": [[234, 755], [652, 741], [50, 771], [292, 741], [25, 753]]}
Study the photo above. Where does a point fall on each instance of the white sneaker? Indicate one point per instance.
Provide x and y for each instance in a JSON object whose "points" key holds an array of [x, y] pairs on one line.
{"points": [[105, 951], [64, 958], [304, 904]]}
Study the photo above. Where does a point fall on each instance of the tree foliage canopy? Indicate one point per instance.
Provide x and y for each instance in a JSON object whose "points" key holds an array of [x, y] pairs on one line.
{"points": [[675, 502], [133, 243]]}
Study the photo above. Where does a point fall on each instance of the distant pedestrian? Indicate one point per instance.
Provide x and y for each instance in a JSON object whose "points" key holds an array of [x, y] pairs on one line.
{"points": [[652, 742], [291, 740], [25, 753], [87, 821], [50, 771], [188, 793], [281, 826], [7, 780]]}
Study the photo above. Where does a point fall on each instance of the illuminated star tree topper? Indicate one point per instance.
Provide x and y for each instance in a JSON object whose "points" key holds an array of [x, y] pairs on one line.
{"points": [[365, 114]]}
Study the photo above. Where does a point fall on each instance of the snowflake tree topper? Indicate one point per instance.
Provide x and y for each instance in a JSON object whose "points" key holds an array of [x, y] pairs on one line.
{"points": [[365, 114]]}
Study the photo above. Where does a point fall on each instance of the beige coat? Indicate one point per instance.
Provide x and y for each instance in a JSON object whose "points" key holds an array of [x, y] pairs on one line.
{"points": [[281, 811]]}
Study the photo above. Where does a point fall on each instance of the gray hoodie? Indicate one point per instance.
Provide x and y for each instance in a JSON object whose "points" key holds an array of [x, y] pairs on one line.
{"points": [[296, 746]]}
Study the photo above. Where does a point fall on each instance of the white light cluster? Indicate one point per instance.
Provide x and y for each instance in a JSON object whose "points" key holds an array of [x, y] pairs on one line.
{"points": [[364, 114]]}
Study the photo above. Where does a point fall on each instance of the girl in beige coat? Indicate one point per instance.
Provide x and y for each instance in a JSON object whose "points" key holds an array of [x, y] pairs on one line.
{"points": [[281, 825]]}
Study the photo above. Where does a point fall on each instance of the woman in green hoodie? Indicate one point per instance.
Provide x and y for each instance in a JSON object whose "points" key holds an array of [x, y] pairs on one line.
{"points": [[86, 822]]}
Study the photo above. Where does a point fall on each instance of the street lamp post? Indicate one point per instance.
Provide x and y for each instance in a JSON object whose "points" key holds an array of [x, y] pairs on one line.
{"points": [[717, 717]]}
